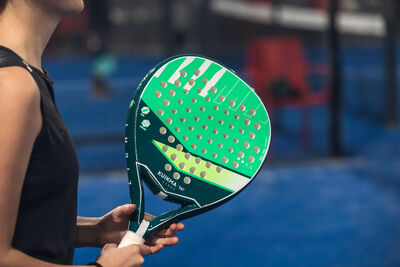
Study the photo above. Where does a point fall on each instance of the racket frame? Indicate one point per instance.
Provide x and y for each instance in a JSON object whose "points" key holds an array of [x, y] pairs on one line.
{"points": [[139, 228]]}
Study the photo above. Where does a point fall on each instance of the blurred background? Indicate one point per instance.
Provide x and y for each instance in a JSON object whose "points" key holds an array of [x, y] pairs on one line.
{"points": [[327, 70]]}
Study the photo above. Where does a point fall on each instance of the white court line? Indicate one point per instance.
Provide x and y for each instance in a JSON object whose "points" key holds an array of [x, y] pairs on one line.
{"points": [[232, 88]]}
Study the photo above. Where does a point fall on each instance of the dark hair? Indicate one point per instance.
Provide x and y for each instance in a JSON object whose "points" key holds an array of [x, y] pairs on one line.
{"points": [[3, 4]]}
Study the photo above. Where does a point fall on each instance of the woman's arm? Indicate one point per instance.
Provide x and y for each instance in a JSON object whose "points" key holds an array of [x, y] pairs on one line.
{"points": [[20, 121]]}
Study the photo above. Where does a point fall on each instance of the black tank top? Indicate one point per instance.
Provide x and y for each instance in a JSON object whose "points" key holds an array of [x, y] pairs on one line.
{"points": [[46, 222]]}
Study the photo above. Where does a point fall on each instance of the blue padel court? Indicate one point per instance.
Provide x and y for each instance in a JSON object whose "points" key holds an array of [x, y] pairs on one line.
{"points": [[327, 213]]}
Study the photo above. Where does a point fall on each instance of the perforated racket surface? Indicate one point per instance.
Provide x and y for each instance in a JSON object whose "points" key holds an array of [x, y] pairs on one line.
{"points": [[196, 134]]}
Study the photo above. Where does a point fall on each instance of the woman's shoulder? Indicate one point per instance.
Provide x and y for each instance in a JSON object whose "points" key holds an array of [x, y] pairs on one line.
{"points": [[19, 101], [18, 85]]}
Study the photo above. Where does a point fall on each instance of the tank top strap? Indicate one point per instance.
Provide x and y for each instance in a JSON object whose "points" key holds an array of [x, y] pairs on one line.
{"points": [[9, 58]]}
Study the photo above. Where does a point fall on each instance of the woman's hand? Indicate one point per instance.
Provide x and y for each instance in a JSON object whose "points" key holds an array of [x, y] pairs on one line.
{"points": [[113, 226], [130, 256]]}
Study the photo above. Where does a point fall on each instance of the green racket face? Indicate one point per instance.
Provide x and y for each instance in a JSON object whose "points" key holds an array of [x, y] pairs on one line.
{"points": [[196, 133]]}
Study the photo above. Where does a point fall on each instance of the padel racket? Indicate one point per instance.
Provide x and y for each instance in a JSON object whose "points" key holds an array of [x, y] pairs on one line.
{"points": [[196, 134]]}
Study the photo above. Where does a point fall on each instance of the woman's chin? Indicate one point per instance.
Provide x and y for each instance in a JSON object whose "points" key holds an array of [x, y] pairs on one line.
{"points": [[62, 7], [76, 7]]}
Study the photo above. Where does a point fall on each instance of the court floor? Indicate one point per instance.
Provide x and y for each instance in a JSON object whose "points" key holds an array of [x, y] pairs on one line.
{"points": [[324, 213]]}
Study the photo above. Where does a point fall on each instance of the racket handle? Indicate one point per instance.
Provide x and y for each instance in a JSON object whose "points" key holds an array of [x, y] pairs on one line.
{"points": [[131, 238]]}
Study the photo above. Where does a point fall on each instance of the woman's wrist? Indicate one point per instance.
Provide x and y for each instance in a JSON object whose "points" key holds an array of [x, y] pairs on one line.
{"points": [[88, 232]]}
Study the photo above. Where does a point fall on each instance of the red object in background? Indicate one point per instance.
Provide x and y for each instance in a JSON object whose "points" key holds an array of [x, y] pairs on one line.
{"points": [[283, 59], [261, 1], [321, 4]]}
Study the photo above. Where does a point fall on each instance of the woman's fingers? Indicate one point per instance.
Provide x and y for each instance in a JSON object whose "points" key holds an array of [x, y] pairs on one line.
{"points": [[169, 241], [148, 217], [180, 226], [148, 250], [171, 230]]}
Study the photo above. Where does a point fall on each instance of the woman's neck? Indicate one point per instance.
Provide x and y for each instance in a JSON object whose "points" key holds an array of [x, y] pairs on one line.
{"points": [[26, 29]]}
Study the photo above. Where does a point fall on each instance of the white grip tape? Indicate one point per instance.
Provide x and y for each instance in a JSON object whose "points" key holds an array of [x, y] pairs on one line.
{"points": [[131, 238]]}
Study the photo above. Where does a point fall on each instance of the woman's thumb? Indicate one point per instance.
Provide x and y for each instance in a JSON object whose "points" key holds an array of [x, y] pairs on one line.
{"points": [[129, 208], [124, 210]]}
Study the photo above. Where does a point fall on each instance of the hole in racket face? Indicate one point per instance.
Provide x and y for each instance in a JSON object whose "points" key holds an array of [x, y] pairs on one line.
{"points": [[156, 206]]}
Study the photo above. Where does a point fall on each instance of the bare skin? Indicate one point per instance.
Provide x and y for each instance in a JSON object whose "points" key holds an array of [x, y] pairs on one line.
{"points": [[33, 22]]}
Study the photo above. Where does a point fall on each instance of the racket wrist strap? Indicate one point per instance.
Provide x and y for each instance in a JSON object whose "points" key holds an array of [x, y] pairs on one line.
{"points": [[131, 238], [94, 263]]}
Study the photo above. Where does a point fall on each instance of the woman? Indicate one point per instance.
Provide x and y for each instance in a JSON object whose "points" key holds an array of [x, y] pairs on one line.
{"points": [[38, 165]]}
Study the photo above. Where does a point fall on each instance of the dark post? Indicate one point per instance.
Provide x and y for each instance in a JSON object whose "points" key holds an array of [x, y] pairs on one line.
{"points": [[207, 36], [335, 80], [390, 98], [166, 28]]}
